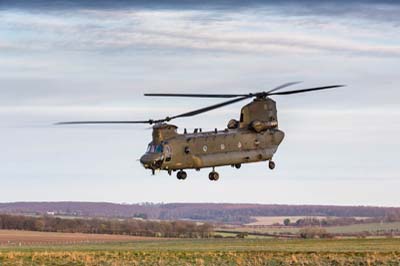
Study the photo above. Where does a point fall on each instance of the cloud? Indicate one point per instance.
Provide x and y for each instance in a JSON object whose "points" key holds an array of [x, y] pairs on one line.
{"points": [[386, 10], [115, 30]]}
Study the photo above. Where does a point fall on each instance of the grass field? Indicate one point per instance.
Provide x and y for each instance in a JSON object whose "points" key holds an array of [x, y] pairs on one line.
{"points": [[270, 220], [209, 252], [369, 227], [346, 229]]}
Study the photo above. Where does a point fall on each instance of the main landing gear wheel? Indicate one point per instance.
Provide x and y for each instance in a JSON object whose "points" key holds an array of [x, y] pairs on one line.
{"points": [[271, 165], [181, 175], [213, 176]]}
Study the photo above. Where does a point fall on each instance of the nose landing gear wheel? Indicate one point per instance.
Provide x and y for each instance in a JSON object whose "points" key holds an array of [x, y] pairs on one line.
{"points": [[181, 175], [213, 176], [271, 165]]}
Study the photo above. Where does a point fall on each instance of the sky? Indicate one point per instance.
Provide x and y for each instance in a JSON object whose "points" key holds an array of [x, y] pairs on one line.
{"points": [[93, 60]]}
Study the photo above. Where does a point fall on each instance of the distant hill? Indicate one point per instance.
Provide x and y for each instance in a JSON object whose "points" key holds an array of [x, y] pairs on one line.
{"points": [[212, 212]]}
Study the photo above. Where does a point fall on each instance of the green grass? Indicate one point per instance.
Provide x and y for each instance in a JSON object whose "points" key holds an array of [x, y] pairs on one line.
{"points": [[292, 245], [201, 252], [357, 228], [347, 229], [234, 235], [264, 230]]}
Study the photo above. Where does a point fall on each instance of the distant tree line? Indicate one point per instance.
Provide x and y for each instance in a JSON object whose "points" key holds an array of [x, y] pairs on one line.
{"points": [[244, 213], [106, 226], [211, 212], [341, 221]]}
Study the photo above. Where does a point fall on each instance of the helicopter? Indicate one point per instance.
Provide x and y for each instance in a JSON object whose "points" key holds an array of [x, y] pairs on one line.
{"points": [[255, 137]]}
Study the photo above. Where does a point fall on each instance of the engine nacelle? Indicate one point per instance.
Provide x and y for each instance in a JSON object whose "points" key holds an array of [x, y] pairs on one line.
{"points": [[259, 126]]}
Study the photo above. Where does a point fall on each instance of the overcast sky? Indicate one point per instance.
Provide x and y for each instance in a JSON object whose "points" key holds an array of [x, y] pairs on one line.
{"points": [[80, 60]]}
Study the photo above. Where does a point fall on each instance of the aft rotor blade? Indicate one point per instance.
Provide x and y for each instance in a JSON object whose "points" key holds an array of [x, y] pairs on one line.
{"points": [[201, 95], [104, 122], [305, 90], [283, 86], [209, 108], [194, 95]]}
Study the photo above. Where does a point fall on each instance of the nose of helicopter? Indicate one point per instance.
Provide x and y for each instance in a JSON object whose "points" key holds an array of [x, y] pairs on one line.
{"points": [[151, 160]]}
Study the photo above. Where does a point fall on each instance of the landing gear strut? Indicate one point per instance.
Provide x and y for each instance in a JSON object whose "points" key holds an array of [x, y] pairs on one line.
{"points": [[181, 175], [213, 176], [271, 165]]}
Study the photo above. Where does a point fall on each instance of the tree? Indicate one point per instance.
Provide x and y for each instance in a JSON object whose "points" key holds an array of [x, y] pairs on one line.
{"points": [[314, 232], [286, 221]]}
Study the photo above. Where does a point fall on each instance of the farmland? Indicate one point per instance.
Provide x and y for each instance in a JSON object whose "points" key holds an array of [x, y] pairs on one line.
{"points": [[152, 251], [271, 220], [219, 247], [372, 228], [31, 238]]}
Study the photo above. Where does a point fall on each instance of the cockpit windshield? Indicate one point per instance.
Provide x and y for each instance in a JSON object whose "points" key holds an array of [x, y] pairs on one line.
{"points": [[155, 148], [159, 148]]}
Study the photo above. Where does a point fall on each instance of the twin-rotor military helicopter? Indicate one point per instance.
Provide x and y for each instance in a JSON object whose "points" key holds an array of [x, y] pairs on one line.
{"points": [[254, 137]]}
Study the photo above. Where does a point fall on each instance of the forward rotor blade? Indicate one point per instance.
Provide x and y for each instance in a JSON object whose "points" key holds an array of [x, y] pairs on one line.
{"points": [[104, 122], [194, 95], [209, 108], [305, 90], [191, 113]]}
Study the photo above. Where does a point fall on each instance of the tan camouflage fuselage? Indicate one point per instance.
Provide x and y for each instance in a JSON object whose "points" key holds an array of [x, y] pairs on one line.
{"points": [[255, 137]]}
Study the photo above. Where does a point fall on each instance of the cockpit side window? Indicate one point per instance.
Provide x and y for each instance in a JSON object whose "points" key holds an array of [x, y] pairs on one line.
{"points": [[241, 117], [151, 148]]}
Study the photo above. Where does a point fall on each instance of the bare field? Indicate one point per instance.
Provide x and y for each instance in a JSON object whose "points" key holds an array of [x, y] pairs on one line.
{"points": [[28, 238]]}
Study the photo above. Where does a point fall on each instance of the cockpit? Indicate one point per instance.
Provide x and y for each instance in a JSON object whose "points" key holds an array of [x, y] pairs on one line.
{"points": [[154, 157], [155, 148], [158, 151]]}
